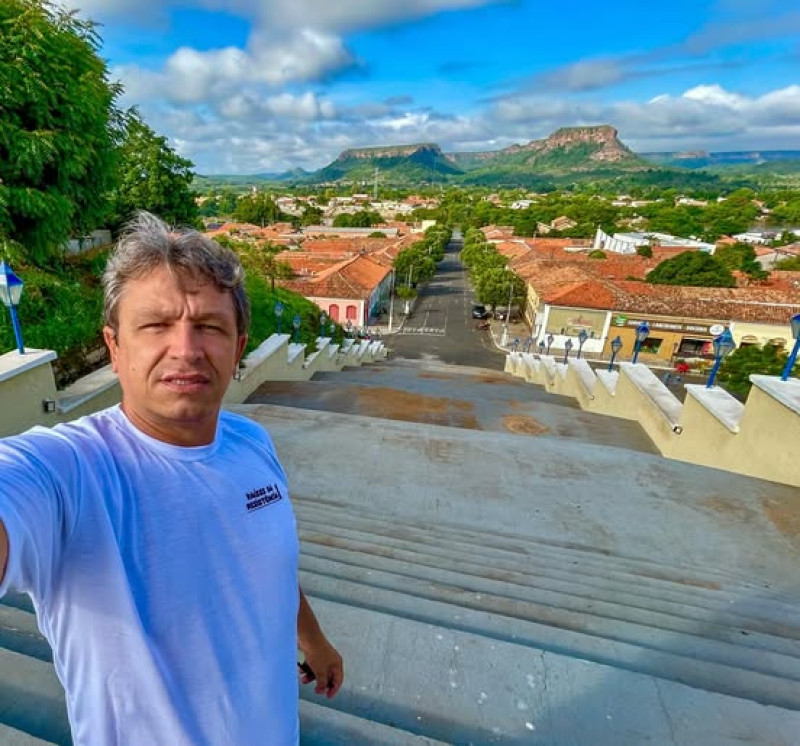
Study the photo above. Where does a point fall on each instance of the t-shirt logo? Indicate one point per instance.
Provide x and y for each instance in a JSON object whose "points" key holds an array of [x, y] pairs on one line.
{"points": [[263, 496]]}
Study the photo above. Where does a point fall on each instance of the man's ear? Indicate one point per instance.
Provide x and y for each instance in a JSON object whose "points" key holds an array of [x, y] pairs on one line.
{"points": [[242, 343], [110, 338]]}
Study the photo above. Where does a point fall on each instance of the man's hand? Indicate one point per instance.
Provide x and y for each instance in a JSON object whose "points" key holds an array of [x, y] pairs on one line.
{"points": [[325, 665], [323, 661]]}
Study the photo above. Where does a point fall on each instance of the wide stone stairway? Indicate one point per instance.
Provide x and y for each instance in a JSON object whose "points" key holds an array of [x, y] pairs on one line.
{"points": [[498, 566]]}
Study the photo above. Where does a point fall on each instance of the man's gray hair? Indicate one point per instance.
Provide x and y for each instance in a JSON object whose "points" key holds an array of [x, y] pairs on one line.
{"points": [[147, 243]]}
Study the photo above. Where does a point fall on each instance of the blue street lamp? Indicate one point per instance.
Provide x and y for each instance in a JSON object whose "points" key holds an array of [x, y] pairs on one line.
{"points": [[331, 329], [642, 333], [550, 340], [278, 313], [795, 322], [616, 346], [723, 346], [323, 318], [10, 293], [567, 348], [349, 327], [296, 321], [582, 337], [541, 347]]}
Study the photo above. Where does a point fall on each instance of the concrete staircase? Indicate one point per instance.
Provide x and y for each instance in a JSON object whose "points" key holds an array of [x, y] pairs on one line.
{"points": [[487, 586]]}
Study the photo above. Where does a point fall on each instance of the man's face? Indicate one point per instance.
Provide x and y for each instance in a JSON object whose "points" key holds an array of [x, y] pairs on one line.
{"points": [[175, 351]]}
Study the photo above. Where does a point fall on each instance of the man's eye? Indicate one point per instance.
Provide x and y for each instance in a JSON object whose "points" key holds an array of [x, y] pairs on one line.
{"points": [[153, 325], [210, 328]]}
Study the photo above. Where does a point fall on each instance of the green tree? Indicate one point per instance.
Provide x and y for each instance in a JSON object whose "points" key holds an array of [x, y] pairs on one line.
{"points": [[58, 127], [260, 259], [258, 209], [152, 176], [645, 251], [360, 219], [693, 268], [496, 283], [741, 256], [792, 264], [737, 368]]}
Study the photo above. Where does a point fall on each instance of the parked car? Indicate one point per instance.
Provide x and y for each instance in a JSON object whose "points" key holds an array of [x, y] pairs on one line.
{"points": [[479, 311]]}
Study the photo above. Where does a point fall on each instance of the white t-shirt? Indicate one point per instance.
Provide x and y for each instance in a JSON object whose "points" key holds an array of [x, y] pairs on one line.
{"points": [[164, 578]]}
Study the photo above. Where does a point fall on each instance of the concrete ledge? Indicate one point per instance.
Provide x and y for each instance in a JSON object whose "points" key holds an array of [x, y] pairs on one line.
{"points": [[13, 364], [268, 347], [584, 372], [85, 389], [666, 403], [786, 392], [608, 379], [295, 350], [727, 409]]}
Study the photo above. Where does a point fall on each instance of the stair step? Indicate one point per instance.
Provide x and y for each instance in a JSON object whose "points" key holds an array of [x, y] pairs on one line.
{"points": [[443, 608], [20, 633], [735, 608], [494, 595], [13, 737], [707, 642], [32, 699], [464, 688], [689, 597], [687, 577], [322, 725]]}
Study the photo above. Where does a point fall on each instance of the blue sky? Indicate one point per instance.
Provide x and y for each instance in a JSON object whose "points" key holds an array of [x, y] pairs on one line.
{"points": [[253, 86]]}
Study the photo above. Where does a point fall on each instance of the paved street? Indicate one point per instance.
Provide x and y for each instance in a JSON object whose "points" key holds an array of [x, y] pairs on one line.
{"points": [[441, 326]]}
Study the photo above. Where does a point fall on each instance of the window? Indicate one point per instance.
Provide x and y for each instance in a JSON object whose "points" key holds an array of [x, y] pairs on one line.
{"points": [[352, 313], [333, 312]]}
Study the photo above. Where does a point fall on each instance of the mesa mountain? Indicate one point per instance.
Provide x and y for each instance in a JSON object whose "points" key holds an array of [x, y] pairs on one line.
{"points": [[568, 151]]}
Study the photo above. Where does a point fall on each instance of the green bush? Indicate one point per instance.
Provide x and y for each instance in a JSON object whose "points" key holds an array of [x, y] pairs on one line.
{"points": [[597, 254]]}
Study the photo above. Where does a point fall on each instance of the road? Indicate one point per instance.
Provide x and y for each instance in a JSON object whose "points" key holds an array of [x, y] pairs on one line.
{"points": [[441, 326]]}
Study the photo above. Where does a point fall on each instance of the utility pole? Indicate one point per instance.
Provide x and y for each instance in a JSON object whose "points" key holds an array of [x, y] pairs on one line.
{"points": [[375, 188], [504, 340], [391, 301]]}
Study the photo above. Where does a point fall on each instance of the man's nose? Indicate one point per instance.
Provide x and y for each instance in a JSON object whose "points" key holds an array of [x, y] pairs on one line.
{"points": [[185, 342]]}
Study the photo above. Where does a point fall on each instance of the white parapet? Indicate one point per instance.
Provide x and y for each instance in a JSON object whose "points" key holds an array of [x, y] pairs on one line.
{"points": [[726, 408]]}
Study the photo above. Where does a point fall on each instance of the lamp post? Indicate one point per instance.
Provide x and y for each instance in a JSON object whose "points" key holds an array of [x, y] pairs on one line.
{"points": [[296, 321], [278, 313], [795, 322], [323, 318], [10, 293], [331, 329], [349, 327], [567, 348], [550, 340], [642, 333], [541, 348], [582, 337], [723, 346], [616, 346], [504, 340]]}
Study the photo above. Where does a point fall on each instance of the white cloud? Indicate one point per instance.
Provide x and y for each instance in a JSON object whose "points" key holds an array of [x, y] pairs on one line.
{"points": [[190, 76]]}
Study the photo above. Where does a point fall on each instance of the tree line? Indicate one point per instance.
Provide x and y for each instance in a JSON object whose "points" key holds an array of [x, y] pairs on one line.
{"points": [[71, 160]]}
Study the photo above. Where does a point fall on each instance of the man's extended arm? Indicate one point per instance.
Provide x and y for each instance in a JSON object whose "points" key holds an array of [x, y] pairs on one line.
{"points": [[321, 656]]}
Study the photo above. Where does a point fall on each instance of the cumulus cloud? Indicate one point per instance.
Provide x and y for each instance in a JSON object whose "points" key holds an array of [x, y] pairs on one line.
{"points": [[191, 76], [703, 116]]}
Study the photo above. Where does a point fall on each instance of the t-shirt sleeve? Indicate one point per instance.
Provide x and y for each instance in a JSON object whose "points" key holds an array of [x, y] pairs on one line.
{"points": [[33, 510]]}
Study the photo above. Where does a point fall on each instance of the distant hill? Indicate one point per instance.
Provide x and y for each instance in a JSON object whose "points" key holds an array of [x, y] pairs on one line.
{"points": [[402, 163], [569, 151], [733, 159]]}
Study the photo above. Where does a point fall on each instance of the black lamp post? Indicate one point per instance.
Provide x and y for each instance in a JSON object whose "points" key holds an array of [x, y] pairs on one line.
{"points": [[795, 322], [582, 337], [616, 346], [550, 340], [642, 333], [296, 321], [322, 319], [567, 348], [723, 346], [278, 313], [10, 293]]}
